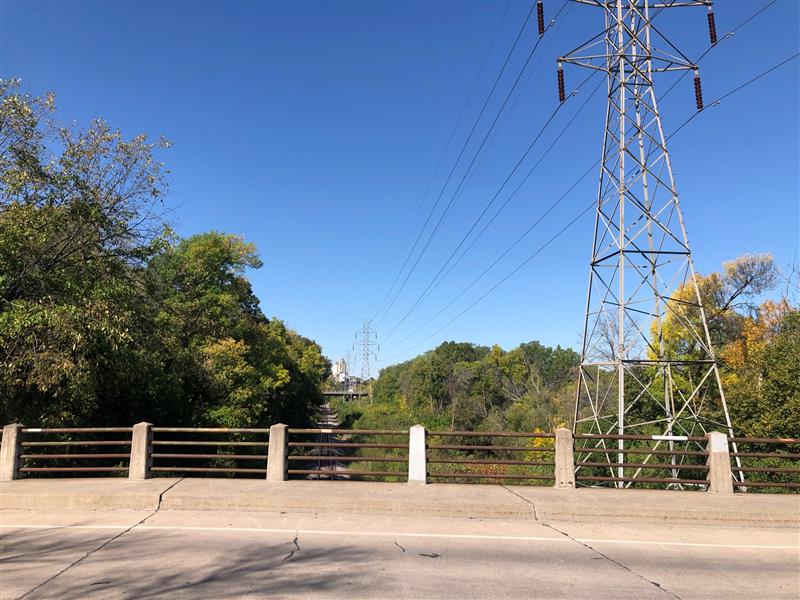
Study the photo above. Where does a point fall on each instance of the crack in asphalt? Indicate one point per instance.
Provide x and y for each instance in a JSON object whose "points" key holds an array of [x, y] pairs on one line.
{"points": [[296, 547], [524, 499], [399, 546], [616, 562], [101, 546]]}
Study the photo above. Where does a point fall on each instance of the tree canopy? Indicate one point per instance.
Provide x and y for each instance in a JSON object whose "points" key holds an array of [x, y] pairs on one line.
{"points": [[108, 317]]}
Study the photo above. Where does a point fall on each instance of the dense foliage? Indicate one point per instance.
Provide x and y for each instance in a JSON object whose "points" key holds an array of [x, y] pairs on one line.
{"points": [[106, 317], [467, 387]]}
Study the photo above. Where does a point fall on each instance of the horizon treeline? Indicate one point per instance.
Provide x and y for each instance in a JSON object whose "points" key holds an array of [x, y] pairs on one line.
{"points": [[753, 321]]}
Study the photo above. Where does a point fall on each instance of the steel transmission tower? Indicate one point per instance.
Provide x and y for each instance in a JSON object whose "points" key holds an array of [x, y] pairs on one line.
{"points": [[647, 363], [367, 340]]}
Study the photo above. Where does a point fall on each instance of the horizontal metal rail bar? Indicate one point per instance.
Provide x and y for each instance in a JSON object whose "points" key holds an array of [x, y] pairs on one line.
{"points": [[643, 465], [499, 448], [77, 430], [744, 440], [490, 434], [784, 455], [81, 443], [36, 456], [208, 430], [205, 470], [401, 474], [780, 484], [490, 476], [767, 469], [214, 456], [649, 438], [351, 431], [642, 479], [343, 445], [474, 461], [70, 469], [641, 451], [348, 458], [205, 443]]}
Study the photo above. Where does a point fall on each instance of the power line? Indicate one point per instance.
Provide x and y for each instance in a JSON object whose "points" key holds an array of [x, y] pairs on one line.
{"points": [[579, 215], [463, 148], [436, 280], [717, 102], [463, 178], [445, 151]]}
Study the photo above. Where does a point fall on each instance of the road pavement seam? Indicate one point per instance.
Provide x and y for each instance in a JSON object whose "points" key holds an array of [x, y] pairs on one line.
{"points": [[296, 546], [101, 546], [524, 499], [616, 562]]}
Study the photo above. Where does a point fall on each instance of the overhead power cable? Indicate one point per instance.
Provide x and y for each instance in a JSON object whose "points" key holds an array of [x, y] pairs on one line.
{"points": [[469, 168], [436, 280], [461, 152], [445, 151], [561, 231]]}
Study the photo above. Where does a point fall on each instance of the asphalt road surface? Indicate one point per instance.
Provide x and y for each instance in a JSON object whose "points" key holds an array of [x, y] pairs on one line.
{"points": [[121, 554]]}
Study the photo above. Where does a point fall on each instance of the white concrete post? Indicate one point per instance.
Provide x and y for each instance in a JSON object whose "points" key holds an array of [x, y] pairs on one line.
{"points": [[277, 456], [417, 459], [720, 476], [565, 459], [141, 451], [9, 452]]}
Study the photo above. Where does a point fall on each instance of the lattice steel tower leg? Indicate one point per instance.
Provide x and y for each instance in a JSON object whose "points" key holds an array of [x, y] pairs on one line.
{"points": [[647, 363]]}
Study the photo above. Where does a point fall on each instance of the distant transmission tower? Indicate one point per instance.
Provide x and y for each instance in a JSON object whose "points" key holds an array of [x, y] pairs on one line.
{"points": [[647, 364], [367, 340]]}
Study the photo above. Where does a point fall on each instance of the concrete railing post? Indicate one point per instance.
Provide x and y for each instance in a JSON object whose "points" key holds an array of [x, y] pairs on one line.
{"points": [[277, 456], [565, 459], [417, 458], [141, 451], [9, 452], [720, 476]]}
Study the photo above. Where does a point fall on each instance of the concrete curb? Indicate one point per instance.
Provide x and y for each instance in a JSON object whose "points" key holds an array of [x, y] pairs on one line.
{"points": [[437, 500], [83, 494]]}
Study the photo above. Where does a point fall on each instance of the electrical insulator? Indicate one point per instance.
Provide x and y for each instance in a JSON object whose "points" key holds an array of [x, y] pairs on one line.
{"points": [[712, 26], [561, 95], [698, 91], [540, 16]]}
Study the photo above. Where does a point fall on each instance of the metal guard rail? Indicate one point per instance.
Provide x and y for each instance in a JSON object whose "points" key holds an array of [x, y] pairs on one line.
{"points": [[193, 456], [333, 456], [754, 459], [42, 456], [458, 456], [492, 462], [683, 468]]}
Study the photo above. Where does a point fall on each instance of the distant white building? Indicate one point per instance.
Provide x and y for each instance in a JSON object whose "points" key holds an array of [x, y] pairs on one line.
{"points": [[339, 371]]}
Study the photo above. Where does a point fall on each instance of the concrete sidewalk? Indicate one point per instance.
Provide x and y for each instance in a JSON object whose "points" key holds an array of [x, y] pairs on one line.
{"points": [[366, 498]]}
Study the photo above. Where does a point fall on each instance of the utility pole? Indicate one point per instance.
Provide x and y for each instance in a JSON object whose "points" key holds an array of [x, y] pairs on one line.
{"points": [[367, 339], [647, 367]]}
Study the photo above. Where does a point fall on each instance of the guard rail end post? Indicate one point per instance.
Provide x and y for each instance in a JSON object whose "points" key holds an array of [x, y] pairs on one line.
{"points": [[10, 451], [720, 476], [141, 451], [417, 459], [564, 459], [277, 455]]}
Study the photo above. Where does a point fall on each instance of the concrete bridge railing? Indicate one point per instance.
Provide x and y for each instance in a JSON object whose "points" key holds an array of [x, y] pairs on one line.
{"points": [[560, 457]]}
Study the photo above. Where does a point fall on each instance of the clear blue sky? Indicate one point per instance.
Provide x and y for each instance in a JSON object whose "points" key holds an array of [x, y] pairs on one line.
{"points": [[313, 129]]}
